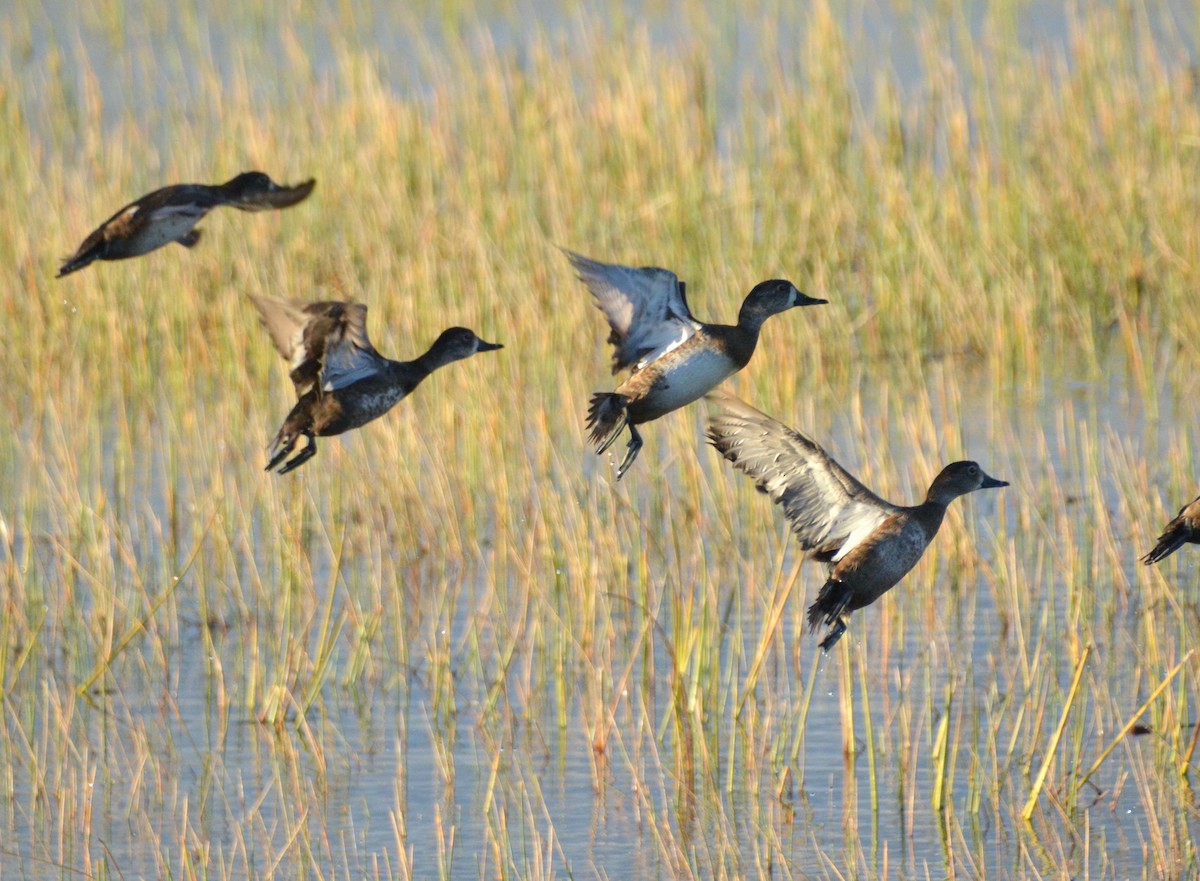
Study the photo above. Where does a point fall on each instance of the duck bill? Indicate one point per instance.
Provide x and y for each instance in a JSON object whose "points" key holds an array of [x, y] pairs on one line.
{"points": [[992, 483], [803, 299], [488, 347]]}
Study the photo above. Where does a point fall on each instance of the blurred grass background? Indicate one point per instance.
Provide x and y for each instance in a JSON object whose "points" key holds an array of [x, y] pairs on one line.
{"points": [[421, 653]]}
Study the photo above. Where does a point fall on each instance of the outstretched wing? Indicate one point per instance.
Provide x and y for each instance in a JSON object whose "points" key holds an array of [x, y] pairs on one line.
{"points": [[830, 511], [349, 355], [646, 309], [322, 342], [275, 196]]}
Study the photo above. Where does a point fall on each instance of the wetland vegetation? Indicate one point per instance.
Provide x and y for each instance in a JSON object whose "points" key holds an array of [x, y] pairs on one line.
{"points": [[453, 645]]}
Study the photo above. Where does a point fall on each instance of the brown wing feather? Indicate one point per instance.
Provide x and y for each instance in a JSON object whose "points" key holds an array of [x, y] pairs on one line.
{"points": [[830, 511], [325, 343]]}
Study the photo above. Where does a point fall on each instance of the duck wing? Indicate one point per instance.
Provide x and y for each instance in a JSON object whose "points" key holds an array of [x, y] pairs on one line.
{"points": [[646, 309], [829, 509], [322, 342], [189, 200], [276, 196], [349, 355]]}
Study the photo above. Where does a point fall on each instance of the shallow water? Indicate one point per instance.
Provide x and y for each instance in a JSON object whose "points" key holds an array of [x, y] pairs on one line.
{"points": [[419, 778]]}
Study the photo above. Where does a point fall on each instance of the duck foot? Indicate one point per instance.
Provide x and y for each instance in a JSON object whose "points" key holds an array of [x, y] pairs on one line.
{"points": [[835, 633], [310, 450], [631, 451], [613, 435]]}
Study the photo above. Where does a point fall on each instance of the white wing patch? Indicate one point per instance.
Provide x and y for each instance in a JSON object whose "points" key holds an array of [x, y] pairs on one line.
{"points": [[830, 511], [856, 526], [676, 334]]}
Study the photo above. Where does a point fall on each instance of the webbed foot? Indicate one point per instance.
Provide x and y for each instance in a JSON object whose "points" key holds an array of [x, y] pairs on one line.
{"points": [[834, 634], [631, 451]]}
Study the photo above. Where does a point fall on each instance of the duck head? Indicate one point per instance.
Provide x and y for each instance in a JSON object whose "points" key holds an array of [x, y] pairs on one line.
{"points": [[958, 479], [255, 191], [249, 182], [771, 297], [456, 343]]}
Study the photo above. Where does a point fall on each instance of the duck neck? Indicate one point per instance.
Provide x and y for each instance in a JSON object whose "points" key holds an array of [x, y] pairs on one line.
{"points": [[409, 374], [229, 189], [931, 512], [436, 357], [743, 336], [751, 318]]}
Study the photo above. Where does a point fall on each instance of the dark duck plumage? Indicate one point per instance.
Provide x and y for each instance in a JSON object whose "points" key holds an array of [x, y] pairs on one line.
{"points": [[1184, 529], [673, 358], [341, 381], [170, 215], [866, 543]]}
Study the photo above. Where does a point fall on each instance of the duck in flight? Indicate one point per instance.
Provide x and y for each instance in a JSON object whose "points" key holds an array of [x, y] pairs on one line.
{"points": [[1184, 529], [170, 215], [673, 358], [341, 381], [866, 543]]}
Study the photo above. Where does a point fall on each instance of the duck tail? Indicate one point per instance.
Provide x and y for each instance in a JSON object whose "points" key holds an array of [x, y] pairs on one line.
{"points": [[831, 602], [1168, 543], [606, 417], [78, 260]]}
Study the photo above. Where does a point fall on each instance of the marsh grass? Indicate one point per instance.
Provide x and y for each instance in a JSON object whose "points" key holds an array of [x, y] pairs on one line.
{"points": [[452, 645]]}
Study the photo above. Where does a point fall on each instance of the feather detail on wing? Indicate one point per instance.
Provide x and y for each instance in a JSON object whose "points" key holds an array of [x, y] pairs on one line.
{"points": [[830, 511], [325, 342], [349, 355], [646, 309]]}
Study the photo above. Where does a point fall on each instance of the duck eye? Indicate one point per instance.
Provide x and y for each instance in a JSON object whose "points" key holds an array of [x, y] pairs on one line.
{"points": [[973, 470]]}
